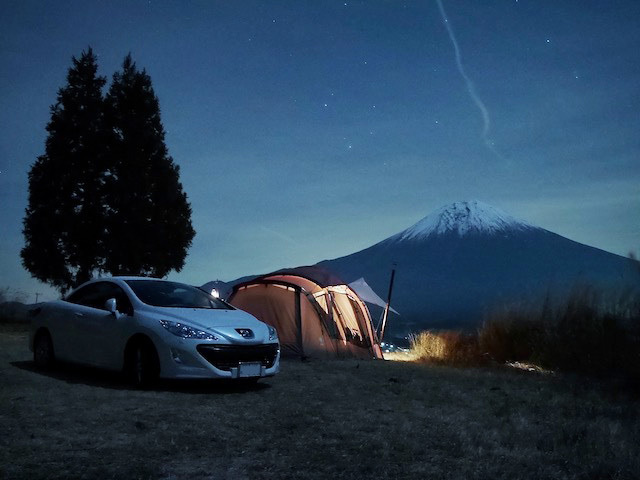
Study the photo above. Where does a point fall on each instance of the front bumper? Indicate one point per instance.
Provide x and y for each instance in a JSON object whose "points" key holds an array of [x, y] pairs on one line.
{"points": [[228, 357], [190, 359]]}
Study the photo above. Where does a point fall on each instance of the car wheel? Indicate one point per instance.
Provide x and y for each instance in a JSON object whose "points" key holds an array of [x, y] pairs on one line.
{"points": [[143, 364], [43, 355]]}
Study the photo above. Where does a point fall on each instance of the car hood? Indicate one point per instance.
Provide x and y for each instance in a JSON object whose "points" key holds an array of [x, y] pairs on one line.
{"points": [[210, 318]]}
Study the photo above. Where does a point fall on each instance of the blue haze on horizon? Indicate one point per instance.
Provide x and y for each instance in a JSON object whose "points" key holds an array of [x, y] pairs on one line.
{"points": [[308, 130]]}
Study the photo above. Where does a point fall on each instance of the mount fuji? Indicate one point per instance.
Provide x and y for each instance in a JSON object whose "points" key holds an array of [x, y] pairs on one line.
{"points": [[461, 261]]}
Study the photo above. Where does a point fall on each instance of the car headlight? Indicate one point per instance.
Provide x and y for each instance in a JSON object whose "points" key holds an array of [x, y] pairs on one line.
{"points": [[273, 334], [185, 331]]}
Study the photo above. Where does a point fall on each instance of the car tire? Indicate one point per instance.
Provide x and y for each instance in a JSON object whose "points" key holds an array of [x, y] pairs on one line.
{"points": [[43, 354], [143, 365]]}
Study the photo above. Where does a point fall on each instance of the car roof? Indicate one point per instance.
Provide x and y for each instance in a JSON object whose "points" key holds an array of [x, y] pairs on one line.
{"points": [[131, 277], [119, 279]]}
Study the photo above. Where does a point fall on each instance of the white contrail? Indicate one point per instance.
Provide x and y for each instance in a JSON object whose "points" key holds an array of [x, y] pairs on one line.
{"points": [[471, 89]]}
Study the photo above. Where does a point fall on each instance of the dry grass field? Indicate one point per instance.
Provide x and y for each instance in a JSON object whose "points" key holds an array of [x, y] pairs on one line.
{"points": [[315, 420]]}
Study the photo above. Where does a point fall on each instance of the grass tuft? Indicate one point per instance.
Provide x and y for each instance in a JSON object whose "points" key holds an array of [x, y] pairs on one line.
{"points": [[445, 348]]}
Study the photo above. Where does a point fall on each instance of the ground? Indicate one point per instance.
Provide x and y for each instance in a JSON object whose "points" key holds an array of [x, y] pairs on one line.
{"points": [[315, 420]]}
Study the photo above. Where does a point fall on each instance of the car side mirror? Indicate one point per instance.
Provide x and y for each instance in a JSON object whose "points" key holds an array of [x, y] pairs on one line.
{"points": [[111, 306]]}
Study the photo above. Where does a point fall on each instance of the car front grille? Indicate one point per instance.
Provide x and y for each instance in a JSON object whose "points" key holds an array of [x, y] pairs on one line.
{"points": [[226, 357]]}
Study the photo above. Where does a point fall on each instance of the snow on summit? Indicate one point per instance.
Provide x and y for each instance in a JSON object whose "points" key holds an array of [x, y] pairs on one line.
{"points": [[463, 218]]}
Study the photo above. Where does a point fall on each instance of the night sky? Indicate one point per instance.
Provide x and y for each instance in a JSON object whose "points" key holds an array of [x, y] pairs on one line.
{"points": [[308, 130]]}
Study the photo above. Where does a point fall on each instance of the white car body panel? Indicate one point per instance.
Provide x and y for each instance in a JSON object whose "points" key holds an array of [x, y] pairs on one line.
{"points": [[97, 337]]}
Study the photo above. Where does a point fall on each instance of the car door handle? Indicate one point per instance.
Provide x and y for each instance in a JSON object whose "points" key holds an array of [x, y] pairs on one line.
{"points": [[79, 314]]}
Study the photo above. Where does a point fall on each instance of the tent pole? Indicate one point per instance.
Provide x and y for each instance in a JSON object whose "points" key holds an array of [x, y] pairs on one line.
{"points": [[386, 308], [380, 320], [298, 313]]}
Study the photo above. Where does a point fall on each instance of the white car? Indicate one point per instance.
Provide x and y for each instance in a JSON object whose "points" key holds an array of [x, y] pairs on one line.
{"points": [[152, 328]]}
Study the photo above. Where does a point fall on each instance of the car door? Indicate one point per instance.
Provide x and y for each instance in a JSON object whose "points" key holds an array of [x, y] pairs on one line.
{"points": [[77, 307], [97, 334], [60, 320], [106, 331]]}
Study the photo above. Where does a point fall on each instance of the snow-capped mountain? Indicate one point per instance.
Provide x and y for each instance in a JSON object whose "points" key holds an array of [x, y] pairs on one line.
{"points": [[472, 217], [467, 258]]}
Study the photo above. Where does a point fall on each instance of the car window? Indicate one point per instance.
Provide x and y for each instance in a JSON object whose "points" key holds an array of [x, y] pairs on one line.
{"points": [[87, 295], [96, 294], [161, 293]]}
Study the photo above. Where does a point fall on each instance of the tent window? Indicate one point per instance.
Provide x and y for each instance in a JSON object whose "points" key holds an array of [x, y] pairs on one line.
{"points": [[362, 340], [319, 302], [351, 329]]}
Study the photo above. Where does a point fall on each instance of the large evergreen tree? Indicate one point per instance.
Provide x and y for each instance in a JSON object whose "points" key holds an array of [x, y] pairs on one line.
{"points": [[149, 219], [105, 196], [63, 222]]}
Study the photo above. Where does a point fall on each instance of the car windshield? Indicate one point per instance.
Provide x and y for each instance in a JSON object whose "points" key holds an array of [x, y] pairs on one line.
{"points": [[160, 293]]}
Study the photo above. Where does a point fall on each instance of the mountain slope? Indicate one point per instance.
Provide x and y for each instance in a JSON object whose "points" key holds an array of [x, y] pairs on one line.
{"points": [[467, 258]]}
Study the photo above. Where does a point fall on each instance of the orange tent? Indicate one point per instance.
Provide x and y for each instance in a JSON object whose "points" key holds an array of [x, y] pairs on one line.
{"points": [[315, 313]]}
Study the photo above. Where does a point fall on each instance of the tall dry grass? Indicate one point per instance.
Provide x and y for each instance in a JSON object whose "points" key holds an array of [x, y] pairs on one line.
{"points": [[446, 348], [588, 331]]}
